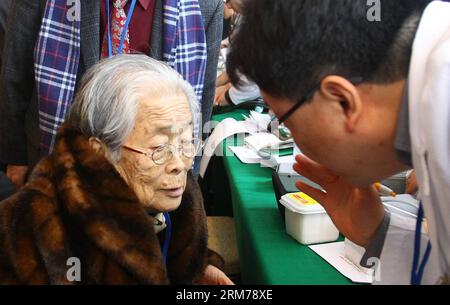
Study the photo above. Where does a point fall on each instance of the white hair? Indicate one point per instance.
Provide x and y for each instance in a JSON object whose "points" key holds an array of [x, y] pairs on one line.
{"points": [[106, 104]]}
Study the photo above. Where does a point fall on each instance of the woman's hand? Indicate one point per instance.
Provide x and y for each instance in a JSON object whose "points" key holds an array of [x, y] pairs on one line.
{"points": [[228, 12], [222, 80], [214, 276], [220, 99], [356, 212]]}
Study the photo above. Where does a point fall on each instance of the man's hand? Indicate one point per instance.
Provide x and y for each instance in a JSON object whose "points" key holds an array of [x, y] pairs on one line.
{"points": [[356, 212], [214, 276], [17, 174]]}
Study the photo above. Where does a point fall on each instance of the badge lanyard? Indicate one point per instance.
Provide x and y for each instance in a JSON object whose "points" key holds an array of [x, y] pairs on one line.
{"points": [[125, 27], [168, 236], [419, 267]]}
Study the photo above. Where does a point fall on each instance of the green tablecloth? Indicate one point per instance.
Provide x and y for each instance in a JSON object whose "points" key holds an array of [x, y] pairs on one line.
{"points": [[268, 255]]}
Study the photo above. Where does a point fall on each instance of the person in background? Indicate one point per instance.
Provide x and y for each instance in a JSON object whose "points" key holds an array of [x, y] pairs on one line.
{"points": [[6, 187], [117, 191], [41, 71], [4, 10], [236, 5], [226, 93], [228, 16], [364, 100]]}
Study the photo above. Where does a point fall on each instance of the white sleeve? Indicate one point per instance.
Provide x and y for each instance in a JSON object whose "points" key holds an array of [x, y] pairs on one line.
{"points": [[248, 91], [397, 255]]}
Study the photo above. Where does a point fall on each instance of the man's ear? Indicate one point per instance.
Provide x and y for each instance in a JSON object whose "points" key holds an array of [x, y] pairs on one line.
{"points": [[340, 90]]}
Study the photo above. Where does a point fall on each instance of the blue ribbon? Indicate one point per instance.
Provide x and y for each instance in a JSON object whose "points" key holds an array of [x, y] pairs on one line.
{"points": [[125, 27], [419, 267], [168, 236]]}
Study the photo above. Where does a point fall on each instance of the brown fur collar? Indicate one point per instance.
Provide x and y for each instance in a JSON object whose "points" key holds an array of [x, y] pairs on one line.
{"points": [[77, 205]]}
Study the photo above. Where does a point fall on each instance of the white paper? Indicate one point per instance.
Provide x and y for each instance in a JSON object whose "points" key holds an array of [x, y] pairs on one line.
{"points": [[287, 166], [266, 140], [246, 155], [262, 120], [251, 126], [297, 150], [274, 161], [334, 254], [256, 126], [223, 130]]}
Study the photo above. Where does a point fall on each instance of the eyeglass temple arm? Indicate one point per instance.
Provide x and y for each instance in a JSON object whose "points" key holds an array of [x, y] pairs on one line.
{"points": [[354, 80], [134, 149]]}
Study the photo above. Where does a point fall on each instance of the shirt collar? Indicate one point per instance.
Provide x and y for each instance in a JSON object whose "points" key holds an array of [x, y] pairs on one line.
{"points": [[159, 223], [145, 4], [402, 143]]}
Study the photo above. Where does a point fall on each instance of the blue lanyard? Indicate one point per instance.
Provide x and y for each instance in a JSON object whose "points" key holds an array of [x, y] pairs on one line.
{"points": [[419, 267], [168, 236], [125, 27]]}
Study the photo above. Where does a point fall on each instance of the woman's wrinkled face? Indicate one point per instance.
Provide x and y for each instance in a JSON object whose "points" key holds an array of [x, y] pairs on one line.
{"points": [[159, 122]]}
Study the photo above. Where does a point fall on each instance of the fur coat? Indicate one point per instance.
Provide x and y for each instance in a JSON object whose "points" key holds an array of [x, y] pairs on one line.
{"points": [[77, 205]]}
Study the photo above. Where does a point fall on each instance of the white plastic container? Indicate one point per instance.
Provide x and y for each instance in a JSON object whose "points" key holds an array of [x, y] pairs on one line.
{"points": [[307, 221]]}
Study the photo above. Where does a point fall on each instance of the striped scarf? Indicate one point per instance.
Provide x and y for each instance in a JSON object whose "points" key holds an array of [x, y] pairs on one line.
{"points": [[185, 41], [57, 56]]}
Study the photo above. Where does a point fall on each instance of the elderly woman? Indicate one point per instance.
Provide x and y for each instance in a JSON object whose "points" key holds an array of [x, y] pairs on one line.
{"points": [[96, 211]]}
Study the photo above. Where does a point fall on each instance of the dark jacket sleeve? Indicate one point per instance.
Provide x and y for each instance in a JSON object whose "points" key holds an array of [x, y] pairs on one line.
{"points": [[214, 28], [4, 9], [17, 79]]}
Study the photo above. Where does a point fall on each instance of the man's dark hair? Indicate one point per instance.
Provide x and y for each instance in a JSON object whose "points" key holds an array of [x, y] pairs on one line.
{"points": [[288, 46]]}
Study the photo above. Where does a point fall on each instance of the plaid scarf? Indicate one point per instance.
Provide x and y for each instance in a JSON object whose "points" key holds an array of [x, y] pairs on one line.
{"points": [[56, 59], [185, 41], [57, 55]]}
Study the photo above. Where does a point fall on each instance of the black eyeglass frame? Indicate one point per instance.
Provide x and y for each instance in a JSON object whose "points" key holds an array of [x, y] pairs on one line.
{"points": [[354, 80]]}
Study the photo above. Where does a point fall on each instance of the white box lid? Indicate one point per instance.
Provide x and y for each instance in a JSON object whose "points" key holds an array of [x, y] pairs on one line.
{"points": [[301, 203]]}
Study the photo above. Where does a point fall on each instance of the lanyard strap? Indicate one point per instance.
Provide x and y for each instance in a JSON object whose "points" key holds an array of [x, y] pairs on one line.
{"points": [[125, 27], [419, 267], [168, 236]]}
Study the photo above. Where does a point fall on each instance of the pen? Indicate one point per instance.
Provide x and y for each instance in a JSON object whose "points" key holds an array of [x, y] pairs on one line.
{"points": [[384, 190]]}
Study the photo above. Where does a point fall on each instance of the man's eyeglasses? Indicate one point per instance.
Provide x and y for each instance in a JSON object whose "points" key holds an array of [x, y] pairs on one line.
{"points": [[165, 153], [304, 99], [294, 108]]}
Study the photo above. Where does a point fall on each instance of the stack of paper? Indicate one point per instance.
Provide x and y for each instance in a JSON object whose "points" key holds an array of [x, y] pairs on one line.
{"points": [[223, 130], [274, 161], [249, 156], [261, 146], [267, 141], [246, 155], [259, 119]]}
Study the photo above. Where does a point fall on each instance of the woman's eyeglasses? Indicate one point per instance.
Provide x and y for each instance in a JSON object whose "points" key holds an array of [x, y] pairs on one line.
{"points": [[165, 153]]}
